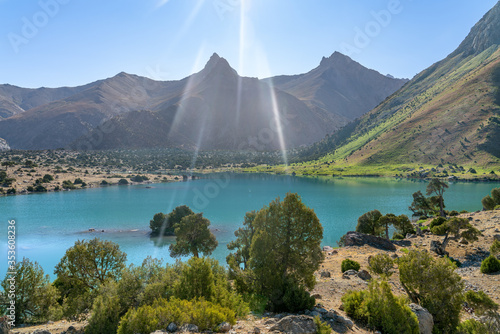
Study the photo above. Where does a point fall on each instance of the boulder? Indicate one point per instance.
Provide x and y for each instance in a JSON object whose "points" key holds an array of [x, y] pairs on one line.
{"points": [[364, 275], [350, 272], [225, 327], [425, 320], [325, 274], [256, 330], [159, 332], [71, 330], [327, 249], [295, 324], [189, 328], [172, 327], [437, 248], [360, 239]]}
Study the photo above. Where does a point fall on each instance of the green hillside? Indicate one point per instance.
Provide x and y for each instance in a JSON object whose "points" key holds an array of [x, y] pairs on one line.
{"points": [[449, 114]]}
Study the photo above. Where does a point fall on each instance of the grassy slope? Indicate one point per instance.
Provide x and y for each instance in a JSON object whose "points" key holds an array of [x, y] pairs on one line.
{"points": [[447, 114]]}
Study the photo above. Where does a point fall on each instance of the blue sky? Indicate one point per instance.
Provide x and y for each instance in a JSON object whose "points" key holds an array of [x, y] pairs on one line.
{"points": [[56, 43]]}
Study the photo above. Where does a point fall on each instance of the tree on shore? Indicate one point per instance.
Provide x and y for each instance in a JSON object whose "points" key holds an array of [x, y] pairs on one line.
{"points": [[193, 237], [164, 225], [285, 253], [368, 223], [242, 244], [35, 298], [83, 268], [491, 202], [438, 187]]}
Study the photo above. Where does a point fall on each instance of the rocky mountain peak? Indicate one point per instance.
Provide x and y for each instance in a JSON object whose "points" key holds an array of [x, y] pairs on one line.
{"points": [[483, 35]]}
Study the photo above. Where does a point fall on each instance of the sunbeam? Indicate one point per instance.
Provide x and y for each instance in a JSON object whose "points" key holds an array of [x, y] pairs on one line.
{"points": [[277, 127]]}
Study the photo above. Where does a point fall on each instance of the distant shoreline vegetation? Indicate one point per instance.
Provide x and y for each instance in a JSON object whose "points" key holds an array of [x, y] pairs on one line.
{"points": [[54, 170]]}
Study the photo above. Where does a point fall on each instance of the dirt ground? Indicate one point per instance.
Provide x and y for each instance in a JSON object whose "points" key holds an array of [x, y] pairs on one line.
{"points": [[91, 176]]}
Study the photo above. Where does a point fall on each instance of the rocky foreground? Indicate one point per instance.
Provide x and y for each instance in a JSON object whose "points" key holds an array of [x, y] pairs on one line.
{"points": [[332, 284]]}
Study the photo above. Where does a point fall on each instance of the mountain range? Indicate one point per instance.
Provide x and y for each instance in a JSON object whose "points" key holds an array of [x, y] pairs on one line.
{"points": [[212, 109], [448, 113]]}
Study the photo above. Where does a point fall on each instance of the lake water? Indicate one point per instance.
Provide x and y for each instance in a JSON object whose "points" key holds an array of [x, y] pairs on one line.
{"points": [[48, 224]]}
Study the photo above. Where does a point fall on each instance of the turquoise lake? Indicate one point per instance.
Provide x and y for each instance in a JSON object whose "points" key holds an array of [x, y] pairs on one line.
{"points": [[48, 224]]}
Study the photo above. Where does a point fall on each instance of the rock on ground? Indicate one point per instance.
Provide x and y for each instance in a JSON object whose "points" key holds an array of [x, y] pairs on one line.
{"points": [[425, 320], [295, 324], [360, 239]]}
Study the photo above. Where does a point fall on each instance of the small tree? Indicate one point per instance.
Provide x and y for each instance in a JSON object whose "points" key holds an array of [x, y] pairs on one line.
{"points": [[386, 221], [83, 268], [35, 297], [92, 262], [495, 248], [285, 251], [455, 229], [480, 302], [438, 187], [163, 224], [490, 202], [404, 226], [420, 206], [434, 285], [196, 280], [381, 264], [242, 244], [368, 223], [193, 237]]}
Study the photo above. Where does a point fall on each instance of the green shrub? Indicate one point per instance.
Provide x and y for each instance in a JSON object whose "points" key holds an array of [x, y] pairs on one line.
{"points": [[488, 203], [297, 298], [453, 213], [453, 261], [434, 284], [495, 248], [349, 264], [35, 298], [472, 326], [397, 236], [40, 189], [439, 230], [490, 265], [380, 309], [68, 185], [147, 319], [480, 302], [381, 264], [352, 302], [321, 327], [437, 222], [106, 311], [123, 182]]}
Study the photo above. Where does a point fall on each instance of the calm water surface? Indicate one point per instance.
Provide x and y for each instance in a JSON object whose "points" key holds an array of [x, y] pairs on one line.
{"points": [[48, 224]]}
